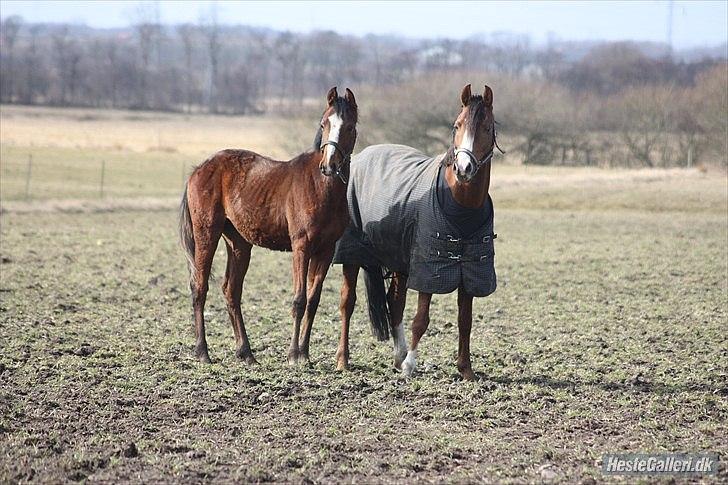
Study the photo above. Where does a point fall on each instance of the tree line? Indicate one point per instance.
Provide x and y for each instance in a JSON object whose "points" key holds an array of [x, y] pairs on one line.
{"points": [[565, 100], [223, 69]]}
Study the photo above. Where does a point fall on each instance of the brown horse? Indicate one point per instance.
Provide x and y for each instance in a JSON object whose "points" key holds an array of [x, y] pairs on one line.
{"points": [[433, 262], [248, 199]]}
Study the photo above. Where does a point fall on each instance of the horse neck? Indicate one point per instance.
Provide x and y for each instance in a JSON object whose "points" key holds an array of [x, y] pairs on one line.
{"points": [[473, 194]]}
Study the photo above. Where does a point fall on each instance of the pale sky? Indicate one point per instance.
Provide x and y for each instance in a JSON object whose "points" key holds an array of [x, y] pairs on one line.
{"points": [[695, 23]]}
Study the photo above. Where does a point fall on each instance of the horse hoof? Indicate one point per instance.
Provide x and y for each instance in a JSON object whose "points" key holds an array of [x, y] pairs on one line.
{"points": [[202, 355], [248, 359], [409, 364], [342, 360], [467, 375]]}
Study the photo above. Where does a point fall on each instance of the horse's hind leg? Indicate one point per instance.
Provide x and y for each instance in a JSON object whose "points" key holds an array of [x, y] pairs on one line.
{"points": [[346, 307], [396, 299], [206, 239], [238, 252], [317, 269]]}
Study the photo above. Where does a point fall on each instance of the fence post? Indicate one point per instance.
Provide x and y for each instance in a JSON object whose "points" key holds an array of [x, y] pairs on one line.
{"points": [[690, 155], [27, 176], [101, 183]]}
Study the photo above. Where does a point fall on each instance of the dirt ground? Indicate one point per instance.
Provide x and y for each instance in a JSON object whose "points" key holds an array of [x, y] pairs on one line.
{"points": [[607, 334]]}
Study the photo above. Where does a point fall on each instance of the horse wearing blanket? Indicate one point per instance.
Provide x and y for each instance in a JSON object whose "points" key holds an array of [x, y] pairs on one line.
{"points": [[429, 221]]}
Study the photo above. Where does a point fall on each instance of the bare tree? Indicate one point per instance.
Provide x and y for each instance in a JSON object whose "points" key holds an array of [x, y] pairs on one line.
{"points": [[285, 51], [186, 33], [145, 32], [34, 72], [259, 61], [10, 30], [212, 36], [111, 50]]}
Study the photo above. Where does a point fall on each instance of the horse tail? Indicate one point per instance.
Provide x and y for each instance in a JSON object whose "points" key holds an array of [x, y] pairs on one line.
{"points": [[379, 316], [186, 237]]}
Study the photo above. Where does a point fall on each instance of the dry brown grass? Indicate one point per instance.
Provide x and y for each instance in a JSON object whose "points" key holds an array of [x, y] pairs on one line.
{"points": [[138, 132]]}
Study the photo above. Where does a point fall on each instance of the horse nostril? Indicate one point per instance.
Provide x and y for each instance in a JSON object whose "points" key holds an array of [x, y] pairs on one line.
{"points": [[468, 168]]}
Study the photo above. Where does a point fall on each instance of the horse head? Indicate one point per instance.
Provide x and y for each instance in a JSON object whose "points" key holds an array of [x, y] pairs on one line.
{"points": [[473, 134], [337, 134]]}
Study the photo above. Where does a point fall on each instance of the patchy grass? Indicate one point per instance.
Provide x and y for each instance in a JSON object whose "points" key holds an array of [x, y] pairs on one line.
{"points": [[607, 334]]}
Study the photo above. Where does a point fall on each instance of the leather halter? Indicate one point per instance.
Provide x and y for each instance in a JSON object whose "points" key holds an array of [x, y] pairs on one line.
{"points": [[471, 156], [345, 159], [478, 163]]}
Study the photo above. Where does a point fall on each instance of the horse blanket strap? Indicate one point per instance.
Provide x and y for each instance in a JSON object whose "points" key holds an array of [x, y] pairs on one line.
{"points": [[397, 223]]}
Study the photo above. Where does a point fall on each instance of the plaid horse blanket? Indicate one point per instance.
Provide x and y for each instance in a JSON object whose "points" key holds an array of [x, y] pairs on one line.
{"points": [[397, 222]]}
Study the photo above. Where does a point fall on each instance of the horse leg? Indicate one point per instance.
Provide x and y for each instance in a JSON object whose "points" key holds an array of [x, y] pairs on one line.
{"points": [[238, 252], [465, 323], [206, 240], [396, 299], [419, 325], [301, 259], [346, 307], [317, 269]]}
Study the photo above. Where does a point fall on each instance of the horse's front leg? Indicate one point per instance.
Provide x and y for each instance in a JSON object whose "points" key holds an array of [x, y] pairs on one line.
{"points": [[317, 269], [301, 259], [419, 326], [346, 308], [465, 323]]}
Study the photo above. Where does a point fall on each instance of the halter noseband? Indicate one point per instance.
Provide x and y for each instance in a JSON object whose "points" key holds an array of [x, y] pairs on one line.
{"points": [[345, 159], [471, 156]]}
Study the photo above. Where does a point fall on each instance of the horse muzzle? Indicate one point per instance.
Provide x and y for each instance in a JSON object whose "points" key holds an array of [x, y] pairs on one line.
{"points": [[464, 168], [329, 169]]}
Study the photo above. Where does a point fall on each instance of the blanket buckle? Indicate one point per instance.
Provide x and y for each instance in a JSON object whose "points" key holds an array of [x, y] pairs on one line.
{"points": [[454, 257]]}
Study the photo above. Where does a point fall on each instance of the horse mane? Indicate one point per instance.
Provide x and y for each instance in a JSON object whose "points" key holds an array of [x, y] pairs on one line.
{"points": [[342, 108]]}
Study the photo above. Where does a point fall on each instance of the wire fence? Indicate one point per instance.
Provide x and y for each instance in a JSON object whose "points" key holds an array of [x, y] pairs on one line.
{"points": [[34, 177]]}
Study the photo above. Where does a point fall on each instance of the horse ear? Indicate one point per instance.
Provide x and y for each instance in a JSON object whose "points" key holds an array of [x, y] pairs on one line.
{"points": [[465, 95], [349, 96], [488, 96], [331, 97]]}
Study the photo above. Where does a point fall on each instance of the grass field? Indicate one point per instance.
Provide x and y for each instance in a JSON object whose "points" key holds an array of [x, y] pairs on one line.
{"points": [[607, 334]]}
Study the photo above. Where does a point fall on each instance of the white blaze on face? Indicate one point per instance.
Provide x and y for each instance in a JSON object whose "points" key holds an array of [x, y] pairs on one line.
{"points": [[468, 142], [335, 123]]}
